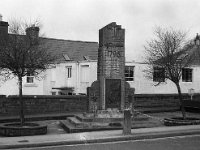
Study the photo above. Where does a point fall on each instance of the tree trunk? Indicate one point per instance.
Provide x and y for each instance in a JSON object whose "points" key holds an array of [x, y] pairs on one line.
{"points": [[181, 101], [21, 101]]}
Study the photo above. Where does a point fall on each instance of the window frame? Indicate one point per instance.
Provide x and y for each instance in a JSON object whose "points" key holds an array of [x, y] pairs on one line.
{"points": [[29, 78], [69, 72], [187, 75], [158, 74], [128, 75]]}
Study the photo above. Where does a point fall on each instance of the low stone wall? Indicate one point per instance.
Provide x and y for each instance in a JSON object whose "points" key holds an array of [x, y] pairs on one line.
{"points": [[14, 129], [61, 104], [160, 102], [43, 104], [192, 105]]}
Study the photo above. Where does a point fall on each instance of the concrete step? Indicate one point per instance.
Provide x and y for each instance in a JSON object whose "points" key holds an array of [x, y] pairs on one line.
{"points": [[84, 119], [70, 128], [66, 125], [76, 122]]}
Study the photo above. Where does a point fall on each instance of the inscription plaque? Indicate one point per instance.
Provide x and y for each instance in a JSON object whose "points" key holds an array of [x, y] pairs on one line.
{"points": [[113, 93]]}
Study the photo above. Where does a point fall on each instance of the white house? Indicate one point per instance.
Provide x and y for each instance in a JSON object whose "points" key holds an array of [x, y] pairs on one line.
{"points": [[76, 69], [190, 80], [74, 72]]}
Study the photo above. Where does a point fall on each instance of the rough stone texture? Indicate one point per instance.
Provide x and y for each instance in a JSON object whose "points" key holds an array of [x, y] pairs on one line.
{"points": [[109, 89], [60, 104], [93, 96], [158, 102], [111, 61], [129, 96], [44, 104], [192, 105], [13, 129], [127, 122], [33, 34], [180, 121]]}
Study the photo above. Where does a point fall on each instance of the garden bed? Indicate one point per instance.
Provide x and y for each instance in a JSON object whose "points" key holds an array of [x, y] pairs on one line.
{"points": [[178, 121], [15, 129]]}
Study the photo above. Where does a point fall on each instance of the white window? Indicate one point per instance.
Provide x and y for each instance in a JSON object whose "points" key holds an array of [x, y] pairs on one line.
{"points": [[29, 78], [69, 71]]}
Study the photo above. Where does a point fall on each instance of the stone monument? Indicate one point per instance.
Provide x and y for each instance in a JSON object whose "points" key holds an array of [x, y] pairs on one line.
{"points": [[110, 91], [110, 97]]}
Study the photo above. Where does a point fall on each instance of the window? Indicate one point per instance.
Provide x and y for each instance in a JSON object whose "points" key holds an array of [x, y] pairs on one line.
{"points": [[69, 72], [53, 93], [187, 75], [29, 78], [129, 73], [158, 74]]}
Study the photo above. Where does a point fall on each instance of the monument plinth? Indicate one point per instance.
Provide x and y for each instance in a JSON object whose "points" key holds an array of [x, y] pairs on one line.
{"points": [[110, 91]]}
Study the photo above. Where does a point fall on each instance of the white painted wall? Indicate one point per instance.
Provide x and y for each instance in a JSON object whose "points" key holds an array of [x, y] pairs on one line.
{"points": [[84, 73], [10, 87], [143, 85]]}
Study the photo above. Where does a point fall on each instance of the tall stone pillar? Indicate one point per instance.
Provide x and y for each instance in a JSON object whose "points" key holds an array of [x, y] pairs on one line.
{"points": [[110, 90], [111, 62]]}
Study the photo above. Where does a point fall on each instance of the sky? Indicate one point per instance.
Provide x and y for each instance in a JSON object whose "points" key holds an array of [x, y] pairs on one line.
{"points": [[81, 19]]}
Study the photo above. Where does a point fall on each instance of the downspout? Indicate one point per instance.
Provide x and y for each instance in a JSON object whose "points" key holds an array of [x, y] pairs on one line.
{"points": [[77, 77]]}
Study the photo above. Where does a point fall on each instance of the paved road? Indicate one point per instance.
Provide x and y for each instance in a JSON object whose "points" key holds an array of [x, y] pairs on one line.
{"points": [[172, 143]]}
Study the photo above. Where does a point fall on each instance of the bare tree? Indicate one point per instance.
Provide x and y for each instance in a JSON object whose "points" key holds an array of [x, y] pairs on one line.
{"points": [[23, 52], [167, 54]]}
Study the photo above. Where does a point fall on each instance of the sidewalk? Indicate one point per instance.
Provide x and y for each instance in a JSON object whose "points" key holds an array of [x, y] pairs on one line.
{"points": [[96, 137]]}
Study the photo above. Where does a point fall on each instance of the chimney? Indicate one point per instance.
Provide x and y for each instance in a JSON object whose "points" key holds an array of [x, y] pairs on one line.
{"points": [[33, 34], [1, 17], [197, 40], [3, 27]]}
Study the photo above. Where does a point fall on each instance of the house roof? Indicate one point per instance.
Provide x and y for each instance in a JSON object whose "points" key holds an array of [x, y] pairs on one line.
{"points": [[68, 50], [190, 52], [194, 52]]}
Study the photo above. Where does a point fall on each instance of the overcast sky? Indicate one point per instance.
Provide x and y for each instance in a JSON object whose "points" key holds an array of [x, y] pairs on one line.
{"points": [[81, 19]]}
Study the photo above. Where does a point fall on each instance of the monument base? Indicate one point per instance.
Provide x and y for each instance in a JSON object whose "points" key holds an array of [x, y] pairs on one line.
{"points": [[110, 119], [95, 103], [110, 113]]}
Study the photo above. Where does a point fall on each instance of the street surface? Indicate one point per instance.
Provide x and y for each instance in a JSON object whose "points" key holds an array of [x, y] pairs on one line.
{"points": [[190, 142]]}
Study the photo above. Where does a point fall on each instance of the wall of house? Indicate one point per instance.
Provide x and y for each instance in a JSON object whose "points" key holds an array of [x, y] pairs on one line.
{"points": [[10, 87], [144, 85], [86, 76], [82, 75]]}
